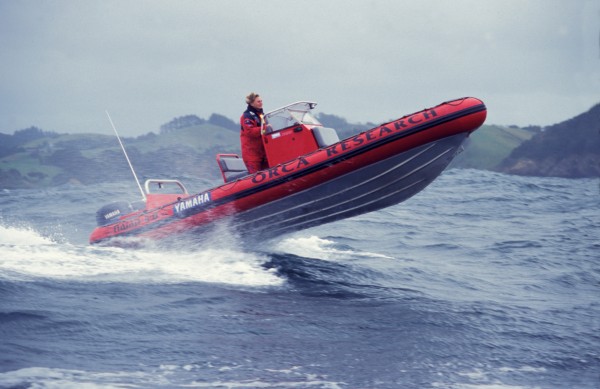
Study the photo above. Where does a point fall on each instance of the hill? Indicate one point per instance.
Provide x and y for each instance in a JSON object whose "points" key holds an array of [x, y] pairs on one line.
{"points": [[187, 146], [490, 145], [568, 149], [90, 158]]}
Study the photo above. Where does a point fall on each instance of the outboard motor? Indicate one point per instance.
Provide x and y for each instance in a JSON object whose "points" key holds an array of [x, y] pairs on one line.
{"points": [[112, 212]]}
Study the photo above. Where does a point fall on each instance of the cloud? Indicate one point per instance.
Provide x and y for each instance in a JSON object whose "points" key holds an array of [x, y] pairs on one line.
{"points": [[65, 62]]}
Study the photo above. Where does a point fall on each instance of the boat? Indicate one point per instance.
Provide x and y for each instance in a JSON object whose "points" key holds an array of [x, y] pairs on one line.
{"points": [[313, 177]]}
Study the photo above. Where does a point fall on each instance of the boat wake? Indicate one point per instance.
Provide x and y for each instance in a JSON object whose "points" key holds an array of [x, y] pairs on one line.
{"points": [[322, 248], [303, 262], [29, 255]]}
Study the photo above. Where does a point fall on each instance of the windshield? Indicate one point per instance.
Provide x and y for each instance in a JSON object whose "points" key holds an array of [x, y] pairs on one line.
{"points": [[296, 113]]}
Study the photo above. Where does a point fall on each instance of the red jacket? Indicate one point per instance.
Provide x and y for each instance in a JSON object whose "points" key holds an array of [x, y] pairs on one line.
{"points": [[250, 136]]}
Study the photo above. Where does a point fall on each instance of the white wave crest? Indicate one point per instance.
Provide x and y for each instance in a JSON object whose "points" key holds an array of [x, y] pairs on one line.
{"points": [[28, 255], [315, 247], [13, 236], [166, 376]]}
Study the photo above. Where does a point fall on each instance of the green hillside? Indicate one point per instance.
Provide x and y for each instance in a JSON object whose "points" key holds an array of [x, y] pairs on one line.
{"points": [[489, 145], [54, 159], [201, 138], [27, 165], [87, 158], [48, 159]]}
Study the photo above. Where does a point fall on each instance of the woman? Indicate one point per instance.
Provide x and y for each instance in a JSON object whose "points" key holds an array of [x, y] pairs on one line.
{"points": [[252, 121]]}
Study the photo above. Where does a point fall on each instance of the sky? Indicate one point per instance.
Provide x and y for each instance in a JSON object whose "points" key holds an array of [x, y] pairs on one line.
{"points": [[65, 63]]}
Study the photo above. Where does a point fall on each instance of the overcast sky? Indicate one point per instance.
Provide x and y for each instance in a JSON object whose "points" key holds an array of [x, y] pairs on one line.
{"points": [[64, 63]]}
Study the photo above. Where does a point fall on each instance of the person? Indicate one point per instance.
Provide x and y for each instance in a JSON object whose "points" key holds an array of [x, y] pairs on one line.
{"points": [[252, 123]]}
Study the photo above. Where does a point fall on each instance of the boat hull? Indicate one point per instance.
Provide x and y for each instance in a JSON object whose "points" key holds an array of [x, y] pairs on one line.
{"points": [[364, 190]]}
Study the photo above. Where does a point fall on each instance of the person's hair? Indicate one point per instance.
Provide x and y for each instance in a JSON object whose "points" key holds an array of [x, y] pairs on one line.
{"points": [[251, 97]]}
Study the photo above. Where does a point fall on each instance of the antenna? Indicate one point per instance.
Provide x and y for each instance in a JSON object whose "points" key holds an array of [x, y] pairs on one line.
{"points": [[126, 156]]}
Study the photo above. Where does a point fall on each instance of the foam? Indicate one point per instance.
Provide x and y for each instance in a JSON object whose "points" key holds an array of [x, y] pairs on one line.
{"points": [[167, 376], [28, 255], [21, 236], [483, 379], [41, 377], [315, 247]]}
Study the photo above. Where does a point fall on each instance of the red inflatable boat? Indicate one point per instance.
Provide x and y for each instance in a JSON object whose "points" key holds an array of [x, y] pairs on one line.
{"points": [[313, 177]]}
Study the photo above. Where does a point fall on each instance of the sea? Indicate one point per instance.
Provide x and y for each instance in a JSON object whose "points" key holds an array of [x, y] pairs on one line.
{"points": [[481, 281]]}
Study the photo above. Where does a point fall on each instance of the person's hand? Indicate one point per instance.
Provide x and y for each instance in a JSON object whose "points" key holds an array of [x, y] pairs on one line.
{"points": [[267, 129]]}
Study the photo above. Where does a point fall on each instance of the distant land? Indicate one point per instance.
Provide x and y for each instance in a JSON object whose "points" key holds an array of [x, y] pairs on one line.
{"points": [[567, 149], [186, 147]]}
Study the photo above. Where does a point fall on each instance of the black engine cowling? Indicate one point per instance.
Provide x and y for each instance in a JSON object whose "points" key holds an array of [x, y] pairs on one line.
{"points": [[112, 212]]}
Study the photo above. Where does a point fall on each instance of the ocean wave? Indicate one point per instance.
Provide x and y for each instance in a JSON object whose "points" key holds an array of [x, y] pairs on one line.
{"points": [[481, 281], [29, 255], [22, 236], [165, 376], [325, 249]]}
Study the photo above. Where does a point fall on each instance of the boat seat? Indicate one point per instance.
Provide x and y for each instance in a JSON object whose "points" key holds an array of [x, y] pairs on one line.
{"points": [[325, 136], [232, 167]]}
